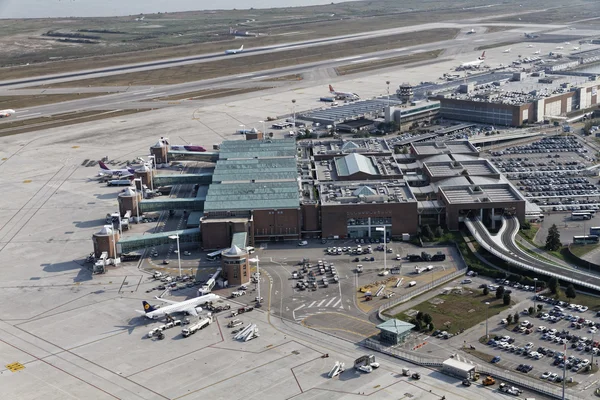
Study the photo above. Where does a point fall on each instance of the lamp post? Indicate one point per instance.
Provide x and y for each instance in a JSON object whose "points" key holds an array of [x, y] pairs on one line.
{"points": [[379, 229], [137, 200], [534, 294], [388, 92], [487, 336], [176, 237], [256, 260], [294, 113], [243, 129], [264, 129], [152, 171]]}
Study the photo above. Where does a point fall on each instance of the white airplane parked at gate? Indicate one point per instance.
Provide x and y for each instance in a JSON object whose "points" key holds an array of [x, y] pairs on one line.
{"points": [[473, 64], [235, 51], [104, 170], [191, 306], [6, 113], [343, 95]]}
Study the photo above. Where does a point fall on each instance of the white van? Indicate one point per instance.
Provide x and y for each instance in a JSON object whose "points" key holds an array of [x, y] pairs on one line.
{"points": [[250, 249], [412, 283]]}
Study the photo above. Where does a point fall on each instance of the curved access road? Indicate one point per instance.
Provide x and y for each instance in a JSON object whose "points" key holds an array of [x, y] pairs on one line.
{"points": [[504, 246]]}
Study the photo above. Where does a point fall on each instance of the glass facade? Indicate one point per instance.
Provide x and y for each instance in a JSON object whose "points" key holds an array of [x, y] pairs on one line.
{"points": [[367, 227]]}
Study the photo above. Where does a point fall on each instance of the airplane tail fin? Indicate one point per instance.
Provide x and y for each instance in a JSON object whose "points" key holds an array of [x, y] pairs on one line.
{"points": [[147, 307], [331, 88], [102, 165], [242, 48], [483, 55]]}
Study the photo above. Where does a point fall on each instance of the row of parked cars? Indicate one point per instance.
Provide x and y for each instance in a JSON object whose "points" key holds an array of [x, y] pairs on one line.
{"points": [[546, 145]]}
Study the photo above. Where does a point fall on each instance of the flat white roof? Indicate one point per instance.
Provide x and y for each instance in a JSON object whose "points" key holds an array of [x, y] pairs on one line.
{"points": [[451, 362]]}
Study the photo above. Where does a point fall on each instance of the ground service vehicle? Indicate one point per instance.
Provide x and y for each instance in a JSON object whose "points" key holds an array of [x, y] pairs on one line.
{"points": [[203, 323], [488, 381]]}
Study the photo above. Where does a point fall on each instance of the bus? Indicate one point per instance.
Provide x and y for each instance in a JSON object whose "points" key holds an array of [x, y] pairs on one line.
{"points": [[534, 217], [215, 255], [589, 239], [595, 230], [580, 215]]}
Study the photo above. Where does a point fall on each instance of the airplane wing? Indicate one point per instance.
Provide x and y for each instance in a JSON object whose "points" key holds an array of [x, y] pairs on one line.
{"points": [[167, 301], [191, 311]]}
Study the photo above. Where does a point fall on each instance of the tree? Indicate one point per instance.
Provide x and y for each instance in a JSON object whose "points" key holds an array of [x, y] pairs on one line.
{"points": [[509, 319], [553, 239], [419, 316], [427, 319], [428, 233], [500, 292], [486, 291], [553, 285], [531, 310], [570, 292], [516, 317], [540, 307], [439, 232], [431, 327], [506, 299]]}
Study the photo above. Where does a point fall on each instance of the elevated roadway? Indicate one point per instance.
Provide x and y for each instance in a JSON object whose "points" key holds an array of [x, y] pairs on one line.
{"points": [[503, 246]]}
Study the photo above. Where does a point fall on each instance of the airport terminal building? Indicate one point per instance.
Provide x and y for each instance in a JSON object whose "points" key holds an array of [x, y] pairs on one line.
{"points": [[282, 190]]}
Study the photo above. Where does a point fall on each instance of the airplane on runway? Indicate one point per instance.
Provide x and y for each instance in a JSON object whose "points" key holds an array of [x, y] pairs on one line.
{"points": [[559, 47], [125, 172], [507, 50], [537, 52], [235, 51], [188, 306], [530, 46], [471, 31], [473, 64], [6, 113], [188, 148], [576, 48], [343, 95]]}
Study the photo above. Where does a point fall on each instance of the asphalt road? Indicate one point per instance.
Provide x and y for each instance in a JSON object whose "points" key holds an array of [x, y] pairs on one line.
{"points": [[515, 252]]}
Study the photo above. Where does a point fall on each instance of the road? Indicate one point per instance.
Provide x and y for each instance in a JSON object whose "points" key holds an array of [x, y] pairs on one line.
{"points": [[514, 252]]}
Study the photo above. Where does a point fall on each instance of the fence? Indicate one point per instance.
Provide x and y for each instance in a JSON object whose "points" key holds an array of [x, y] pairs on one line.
{"points": [[417, 292], [521, 381]]}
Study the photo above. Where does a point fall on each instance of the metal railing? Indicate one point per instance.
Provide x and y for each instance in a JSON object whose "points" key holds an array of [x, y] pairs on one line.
{"points": [[417, 292], [518, 380]]}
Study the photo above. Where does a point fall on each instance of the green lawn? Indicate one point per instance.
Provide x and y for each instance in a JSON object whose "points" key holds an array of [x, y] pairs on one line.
{"points": [[458, 311], [592, 302], [530, 233], [581, 250]]}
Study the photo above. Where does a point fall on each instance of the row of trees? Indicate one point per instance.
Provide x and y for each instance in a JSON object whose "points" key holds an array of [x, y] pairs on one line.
{"points": [[429, 234], [554, 287], [422, 321]]}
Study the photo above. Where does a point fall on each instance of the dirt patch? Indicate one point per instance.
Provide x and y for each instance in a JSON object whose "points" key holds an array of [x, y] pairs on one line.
{"points": [[388, 62], [36, 124], [496, 45], [252, 63], [32, 100], [498, 28], [209, 94], [293, 77]]}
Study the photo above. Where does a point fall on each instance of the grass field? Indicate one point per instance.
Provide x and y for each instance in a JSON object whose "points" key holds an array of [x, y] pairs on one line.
{"points": [[209, 94], [496, 45], [32, 100], [498, 28], [253, 63], [388, 62], [292, 77], [568, 13], [581, 250], [36, 124], [167, 35], [455, 312]]}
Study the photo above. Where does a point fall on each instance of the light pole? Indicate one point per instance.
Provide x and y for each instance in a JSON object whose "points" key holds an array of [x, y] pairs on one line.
{"points": [[243, 129], [487, 336], [294, 113], [137, 200], [256, 260], [152, 171], [379, 229], [176, 237], [534, 294], [264, 129], [388, 92]]}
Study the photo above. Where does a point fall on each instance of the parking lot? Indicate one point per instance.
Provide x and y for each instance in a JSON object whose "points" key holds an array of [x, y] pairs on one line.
{"points": [[536, 344], [552, 172]]}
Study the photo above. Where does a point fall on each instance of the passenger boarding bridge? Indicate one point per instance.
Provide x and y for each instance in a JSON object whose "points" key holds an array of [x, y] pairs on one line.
{"points": [[139, 242], [177, 155]]}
